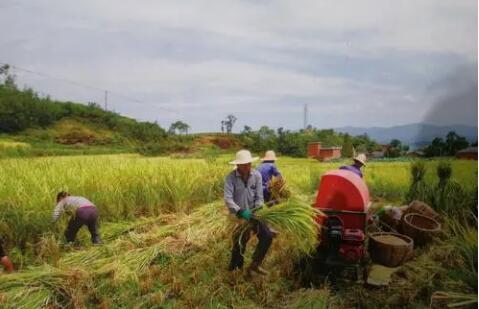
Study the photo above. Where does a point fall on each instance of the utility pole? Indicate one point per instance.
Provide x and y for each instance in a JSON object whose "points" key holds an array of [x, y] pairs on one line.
{"points": [[106, 99], [305, 116]]}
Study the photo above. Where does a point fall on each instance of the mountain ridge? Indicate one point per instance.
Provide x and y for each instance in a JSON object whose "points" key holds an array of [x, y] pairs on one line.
{"points": [[414, 134]]}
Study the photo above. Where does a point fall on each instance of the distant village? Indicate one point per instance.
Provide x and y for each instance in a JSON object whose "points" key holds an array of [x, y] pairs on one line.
{"points": [[316, 151]]}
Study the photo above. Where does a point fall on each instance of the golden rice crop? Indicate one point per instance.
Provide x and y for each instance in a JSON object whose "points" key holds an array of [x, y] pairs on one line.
{"points": [[122, 187], [296, 218]]}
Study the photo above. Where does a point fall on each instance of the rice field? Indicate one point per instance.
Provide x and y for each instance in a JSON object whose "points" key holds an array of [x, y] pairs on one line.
{"points": [[167, 234], [127, 186]]}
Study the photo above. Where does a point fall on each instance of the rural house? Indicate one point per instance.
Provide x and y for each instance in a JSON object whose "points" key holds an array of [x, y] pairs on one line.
{"points": [[416, 154], [316, 151], [468, 153]]}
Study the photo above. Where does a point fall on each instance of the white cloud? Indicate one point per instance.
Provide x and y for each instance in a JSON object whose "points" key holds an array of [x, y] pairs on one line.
{"points": [[354, 62]]}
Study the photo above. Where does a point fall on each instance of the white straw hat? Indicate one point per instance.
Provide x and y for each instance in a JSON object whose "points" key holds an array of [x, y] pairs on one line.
{"points": [[269, 156], [243, 157], [361, 158]]}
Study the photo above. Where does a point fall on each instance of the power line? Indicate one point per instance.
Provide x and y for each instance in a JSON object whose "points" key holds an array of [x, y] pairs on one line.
{"points": [[79, 84]]}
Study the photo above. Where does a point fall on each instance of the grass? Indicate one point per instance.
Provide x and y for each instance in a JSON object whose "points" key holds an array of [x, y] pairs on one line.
{"points": [[386, 180], [34, 148]]}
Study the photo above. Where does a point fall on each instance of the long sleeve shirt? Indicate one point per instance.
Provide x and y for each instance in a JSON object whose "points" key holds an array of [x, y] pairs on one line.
{"points": [[352, 168], [240, 195], [70, 204], [267, 171]]}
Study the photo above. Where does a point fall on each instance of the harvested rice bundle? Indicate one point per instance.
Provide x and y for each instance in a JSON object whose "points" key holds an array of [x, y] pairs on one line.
{"points": [[296, 219], [278, 189], [114, 230], [209, 220], [33, 288], [130, 264]]}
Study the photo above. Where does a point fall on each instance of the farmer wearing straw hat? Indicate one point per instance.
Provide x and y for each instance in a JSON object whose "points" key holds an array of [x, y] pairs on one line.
{"points": [[83, 212], [7, 264], [267, 170], [359, 161], [243, 193]]}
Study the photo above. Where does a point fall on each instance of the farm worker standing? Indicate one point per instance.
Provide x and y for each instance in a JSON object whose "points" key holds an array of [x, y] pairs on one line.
{"points": [[83, 212], [359, 161], [243, 193], [7, 264], [267, 169]]}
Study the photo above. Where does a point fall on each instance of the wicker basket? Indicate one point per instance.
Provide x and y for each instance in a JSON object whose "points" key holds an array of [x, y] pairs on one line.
{"points": [[421, 208], [420, 228], [390, 249]]}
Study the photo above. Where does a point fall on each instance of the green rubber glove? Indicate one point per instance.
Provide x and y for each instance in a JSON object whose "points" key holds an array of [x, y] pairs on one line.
{"points": [[245, 214]]}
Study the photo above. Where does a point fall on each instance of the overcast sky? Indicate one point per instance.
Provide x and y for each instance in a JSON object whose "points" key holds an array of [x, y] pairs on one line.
{"points": [[355, 63]]}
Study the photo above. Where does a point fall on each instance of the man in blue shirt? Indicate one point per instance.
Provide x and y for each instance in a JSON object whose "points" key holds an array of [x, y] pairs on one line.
{"points": [[359, 161], [267, 170]]}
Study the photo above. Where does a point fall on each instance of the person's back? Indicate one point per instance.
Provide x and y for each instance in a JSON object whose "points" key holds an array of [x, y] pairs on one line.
{"points": [[82, 211], [267, 171], [359, 162], [71, 203], [352, 168]]}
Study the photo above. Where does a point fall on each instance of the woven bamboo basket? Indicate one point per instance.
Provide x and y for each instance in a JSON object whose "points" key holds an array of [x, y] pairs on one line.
{"points": [[390, 249], [420, 228]]}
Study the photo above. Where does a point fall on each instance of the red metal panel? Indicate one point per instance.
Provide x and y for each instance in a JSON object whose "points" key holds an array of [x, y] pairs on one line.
{"points": [[342, 190]]}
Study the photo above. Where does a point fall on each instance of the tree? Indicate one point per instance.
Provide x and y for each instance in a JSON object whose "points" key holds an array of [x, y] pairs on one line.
{"points": [[291, 143], [394, 150], [228, 123], [363, 143], [8, 79], [179, 126], [395, 143], [449, 147], [436, 149], [247, 130], [266, 139], [454, 143], [347, 150]]}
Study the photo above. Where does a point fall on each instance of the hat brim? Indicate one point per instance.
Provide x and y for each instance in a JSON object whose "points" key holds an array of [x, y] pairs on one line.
{"points": [[236, 162], [363, 163], [269, 159]]}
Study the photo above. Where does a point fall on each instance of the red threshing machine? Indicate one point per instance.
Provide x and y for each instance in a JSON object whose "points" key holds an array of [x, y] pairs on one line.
{"points": [[343, 199]]}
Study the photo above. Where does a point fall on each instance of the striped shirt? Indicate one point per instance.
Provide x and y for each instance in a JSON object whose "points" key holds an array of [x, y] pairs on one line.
{"points": [[70, 204]]}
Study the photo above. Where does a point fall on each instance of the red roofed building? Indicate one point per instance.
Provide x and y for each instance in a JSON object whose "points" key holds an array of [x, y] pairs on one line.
{"points": [[323, 153], [330, 153], [313, 149], [468, 153]]}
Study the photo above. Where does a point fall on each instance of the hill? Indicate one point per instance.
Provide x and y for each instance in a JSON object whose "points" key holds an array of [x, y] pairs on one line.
{"points": [[34, 125], [21, 110], [415, 135]]}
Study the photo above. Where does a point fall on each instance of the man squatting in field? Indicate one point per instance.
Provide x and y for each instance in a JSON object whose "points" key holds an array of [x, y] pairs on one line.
{"points": [[359, 161], [83, 212], [243, 193], [7, 264]]}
